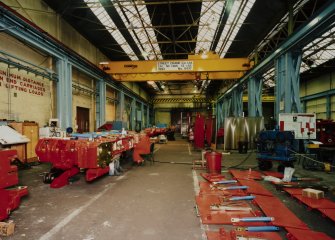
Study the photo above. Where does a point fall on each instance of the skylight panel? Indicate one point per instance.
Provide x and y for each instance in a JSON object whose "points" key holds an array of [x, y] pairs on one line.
{"points": [[139, 25], [100, 12], [237, 16], [210, 17]]}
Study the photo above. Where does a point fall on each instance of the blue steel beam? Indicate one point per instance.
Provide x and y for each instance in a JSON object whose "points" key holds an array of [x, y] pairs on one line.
{"points": [[287, 78], [237, 102], [148, 117], [133, 114], [255, 85], [142, 116], [320, 23], [64, 93], [101, 103], [17, 26], [120, 107]]}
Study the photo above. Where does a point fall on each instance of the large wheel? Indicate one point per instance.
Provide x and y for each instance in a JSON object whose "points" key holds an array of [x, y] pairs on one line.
{"points": [[264, 165]]}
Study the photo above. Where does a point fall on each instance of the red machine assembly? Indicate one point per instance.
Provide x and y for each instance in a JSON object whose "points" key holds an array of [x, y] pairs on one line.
{"points": [[9, 198], [67, 156], [325, 132], [199, 132]]}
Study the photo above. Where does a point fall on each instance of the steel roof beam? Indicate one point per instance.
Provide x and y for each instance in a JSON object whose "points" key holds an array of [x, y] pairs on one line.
{"points": [[322, 22]]}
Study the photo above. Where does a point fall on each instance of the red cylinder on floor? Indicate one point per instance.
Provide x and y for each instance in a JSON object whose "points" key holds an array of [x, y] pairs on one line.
{"points": [[213, 160]]}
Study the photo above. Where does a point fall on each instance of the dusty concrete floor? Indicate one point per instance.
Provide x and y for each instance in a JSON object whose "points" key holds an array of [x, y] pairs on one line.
{"points": [[147, 202]]}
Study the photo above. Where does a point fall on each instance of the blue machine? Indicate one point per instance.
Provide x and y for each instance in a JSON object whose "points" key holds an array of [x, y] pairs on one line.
{"points": [[275, 145]]}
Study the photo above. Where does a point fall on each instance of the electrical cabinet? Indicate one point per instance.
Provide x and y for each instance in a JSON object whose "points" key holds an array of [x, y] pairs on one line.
{"points": [[26, 152]]}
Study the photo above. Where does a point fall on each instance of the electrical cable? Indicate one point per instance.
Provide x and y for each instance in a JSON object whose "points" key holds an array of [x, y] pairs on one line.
{"points": [[299, 154], [239, 164]]}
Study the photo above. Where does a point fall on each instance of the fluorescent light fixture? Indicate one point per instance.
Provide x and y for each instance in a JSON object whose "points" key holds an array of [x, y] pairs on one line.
{"points": [[237, 15], [208, 23], [103, 63]]}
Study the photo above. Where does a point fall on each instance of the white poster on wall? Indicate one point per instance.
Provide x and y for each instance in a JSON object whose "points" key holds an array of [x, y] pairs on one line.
{"points": [[303, 124], [24, 96]]}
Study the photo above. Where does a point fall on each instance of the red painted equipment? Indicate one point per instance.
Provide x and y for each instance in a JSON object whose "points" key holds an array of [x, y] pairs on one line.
{"points": [[222, 234], [9, 198], [255, 188], [283, 217], [67, 156], [213, 162], [325, 132], [305, 234], [199, 132], [248, 174], [142, 148], [209, 126], [212, 177]]}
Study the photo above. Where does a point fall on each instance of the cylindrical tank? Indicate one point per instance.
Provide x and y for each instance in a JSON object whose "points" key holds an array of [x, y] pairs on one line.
{"points": [[213, 160]]}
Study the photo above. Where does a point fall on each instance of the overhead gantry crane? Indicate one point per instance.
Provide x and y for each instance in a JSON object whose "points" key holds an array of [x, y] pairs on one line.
{"points": [[197, 67]]}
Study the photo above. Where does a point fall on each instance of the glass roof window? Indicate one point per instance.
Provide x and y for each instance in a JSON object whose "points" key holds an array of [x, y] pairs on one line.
{"points": [[100, 12], [209, 21], [138, 22], [237, 16]]}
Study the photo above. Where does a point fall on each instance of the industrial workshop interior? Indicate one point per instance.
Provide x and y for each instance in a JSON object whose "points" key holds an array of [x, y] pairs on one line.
{"points": [[167, 119]]}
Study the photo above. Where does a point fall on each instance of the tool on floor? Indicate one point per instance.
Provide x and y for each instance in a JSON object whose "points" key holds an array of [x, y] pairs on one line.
{"points": [[225, 182], [253, 219], [259, 229], [241, 198], [231, 206], [228, 208], [229, 188]]}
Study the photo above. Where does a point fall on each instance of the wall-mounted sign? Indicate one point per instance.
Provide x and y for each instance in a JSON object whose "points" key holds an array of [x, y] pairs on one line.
{"points": [[303, 124], [22, 83], [175, 66]]}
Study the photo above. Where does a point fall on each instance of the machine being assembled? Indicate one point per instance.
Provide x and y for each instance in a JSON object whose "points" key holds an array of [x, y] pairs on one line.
{"points": [[69, 156], [9, 198], [275, 145]]}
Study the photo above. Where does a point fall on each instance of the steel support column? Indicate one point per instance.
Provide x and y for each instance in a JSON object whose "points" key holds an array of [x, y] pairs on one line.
{"points": [[120, 107], [148, 117], [328, 107], [133, 114], [64, 93], [101, 103], [255, 85], [237, 102], [287, 78], [142, 115]]}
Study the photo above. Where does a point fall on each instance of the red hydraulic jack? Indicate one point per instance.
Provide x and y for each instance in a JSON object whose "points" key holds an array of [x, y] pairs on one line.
{"points": [[9, 198]]}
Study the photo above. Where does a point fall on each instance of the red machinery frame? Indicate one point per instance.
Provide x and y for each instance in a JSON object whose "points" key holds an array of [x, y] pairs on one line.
{"points": [[68, 156], [9, 198]]}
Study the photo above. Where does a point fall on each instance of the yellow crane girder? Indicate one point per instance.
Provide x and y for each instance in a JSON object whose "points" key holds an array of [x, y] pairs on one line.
{"points": [[193, 68]]}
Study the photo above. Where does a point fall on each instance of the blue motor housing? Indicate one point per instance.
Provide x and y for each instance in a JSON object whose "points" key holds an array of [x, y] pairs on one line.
{"points": [[275, 145]]}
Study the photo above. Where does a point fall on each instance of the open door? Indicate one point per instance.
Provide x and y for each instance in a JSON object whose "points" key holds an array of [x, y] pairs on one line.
{"points": [[83, 119]]}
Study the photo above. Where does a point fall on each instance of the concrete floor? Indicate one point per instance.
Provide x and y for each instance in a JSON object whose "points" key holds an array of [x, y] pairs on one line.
{"points": [[147, 202]]}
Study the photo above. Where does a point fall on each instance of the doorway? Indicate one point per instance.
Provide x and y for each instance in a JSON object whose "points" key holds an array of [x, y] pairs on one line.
{"points": [[83, 119]]}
